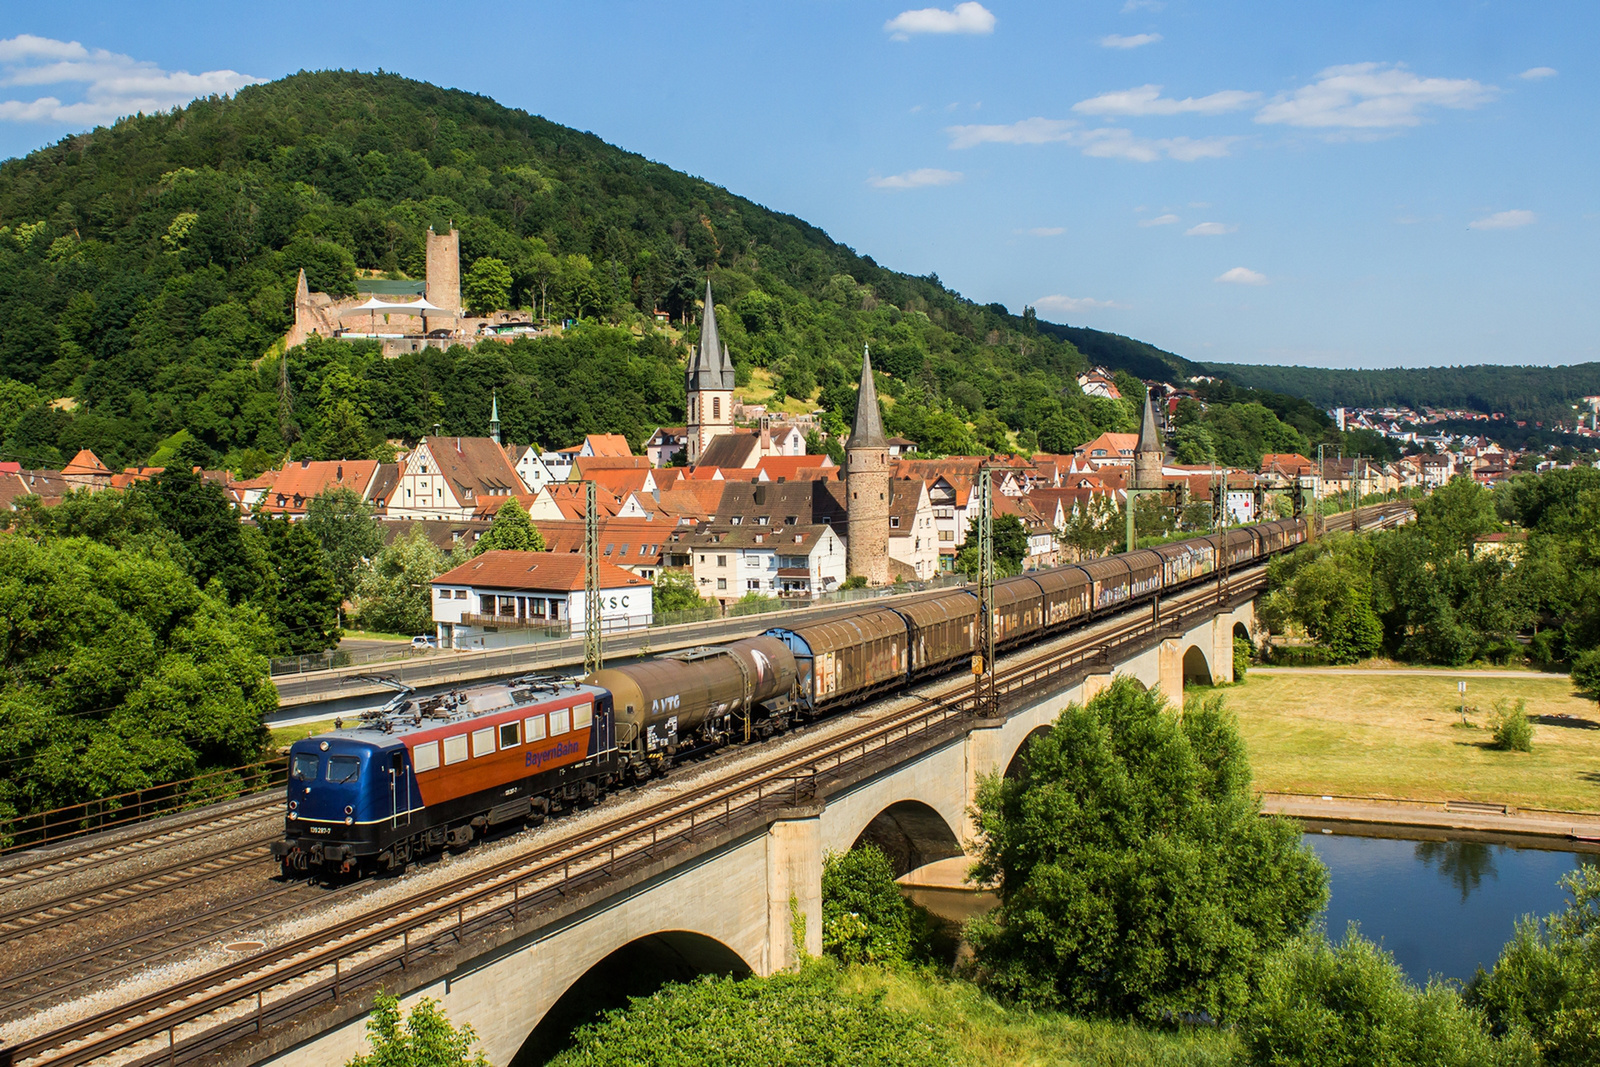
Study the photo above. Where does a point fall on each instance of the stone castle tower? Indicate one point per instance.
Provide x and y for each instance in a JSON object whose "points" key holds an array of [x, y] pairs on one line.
{"points": [[709, 386], [866, 467], [1149, 454], [444, 274]]}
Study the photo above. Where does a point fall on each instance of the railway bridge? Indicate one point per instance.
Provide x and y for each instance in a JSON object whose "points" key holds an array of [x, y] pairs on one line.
{"points": [[728, 881]]}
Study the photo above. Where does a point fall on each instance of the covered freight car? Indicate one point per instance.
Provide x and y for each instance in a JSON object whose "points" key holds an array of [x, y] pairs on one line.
{"points": [[846, 659], [943, 629]]}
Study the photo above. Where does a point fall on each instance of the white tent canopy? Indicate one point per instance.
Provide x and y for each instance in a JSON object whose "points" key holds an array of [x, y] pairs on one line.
{"points": [[416, 307]]}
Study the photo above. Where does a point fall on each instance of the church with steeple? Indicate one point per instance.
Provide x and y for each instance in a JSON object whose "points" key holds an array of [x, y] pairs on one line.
{"points": [[709, 386]]}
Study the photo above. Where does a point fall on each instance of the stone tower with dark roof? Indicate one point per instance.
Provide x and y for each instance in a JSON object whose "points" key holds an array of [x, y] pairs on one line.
{"points": [[866, 466], [1149, 454], [709, 385]]}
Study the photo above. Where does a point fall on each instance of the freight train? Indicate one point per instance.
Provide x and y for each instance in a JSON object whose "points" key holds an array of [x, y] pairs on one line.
{"points": [[421, 775]]}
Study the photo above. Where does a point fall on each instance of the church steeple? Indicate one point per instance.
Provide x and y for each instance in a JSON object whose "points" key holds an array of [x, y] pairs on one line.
{"points": [[868, 431], [708, 385], [1149, 454], [708, 370], [494, 417]]}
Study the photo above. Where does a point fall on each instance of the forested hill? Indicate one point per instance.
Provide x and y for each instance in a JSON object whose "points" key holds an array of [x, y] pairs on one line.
{"points": [[149, 266], [1533, 393]]}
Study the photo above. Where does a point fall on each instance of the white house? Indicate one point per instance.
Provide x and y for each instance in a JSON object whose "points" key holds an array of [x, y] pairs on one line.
{"points": [[532, 469], [448, 478], [788, 561], [491, 600]]}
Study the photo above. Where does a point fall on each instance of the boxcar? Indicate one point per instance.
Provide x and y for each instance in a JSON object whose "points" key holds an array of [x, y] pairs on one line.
{"points": [[1109, 582], [1065, 595], [1145, 571], [1018, 610], [1239, 546], [1185, 561], [845, 659], [942, 629]]}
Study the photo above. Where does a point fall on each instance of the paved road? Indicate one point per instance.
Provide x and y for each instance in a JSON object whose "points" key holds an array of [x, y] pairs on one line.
{"points": [[1444, 815], [1427, 672]]}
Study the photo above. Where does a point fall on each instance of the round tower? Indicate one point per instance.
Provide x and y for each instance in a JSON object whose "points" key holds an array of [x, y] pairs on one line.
{"points": [[866, 468], [1149, 454]]}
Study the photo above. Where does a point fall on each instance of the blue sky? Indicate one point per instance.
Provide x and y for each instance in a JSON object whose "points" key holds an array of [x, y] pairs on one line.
{"points": [[1342, 183]]}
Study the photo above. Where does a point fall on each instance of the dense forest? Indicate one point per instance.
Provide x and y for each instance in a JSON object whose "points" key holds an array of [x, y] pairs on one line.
{"points": [[151, 267], [1543, 394]]}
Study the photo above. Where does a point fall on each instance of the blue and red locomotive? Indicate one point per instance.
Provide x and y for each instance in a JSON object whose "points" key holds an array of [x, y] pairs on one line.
{"points": [[422, 775]]}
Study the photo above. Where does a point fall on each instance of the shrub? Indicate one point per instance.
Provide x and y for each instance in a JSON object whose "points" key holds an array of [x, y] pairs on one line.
{"points": [[1512, 730], [1586, 671], [864, 917], [1242, 651], [1349, 1005], [425, 1039]]}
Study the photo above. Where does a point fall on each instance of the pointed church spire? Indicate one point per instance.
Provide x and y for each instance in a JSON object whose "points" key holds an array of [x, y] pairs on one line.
{"points": [[494, 417], [868, 431], [706, 371], [1149, 435]]}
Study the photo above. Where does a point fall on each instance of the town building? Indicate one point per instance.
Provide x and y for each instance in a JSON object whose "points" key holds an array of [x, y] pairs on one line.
{"points": [[294, 487], [730, 562], [1149, 454], [494, 599], [709, 385], [448, 478]]}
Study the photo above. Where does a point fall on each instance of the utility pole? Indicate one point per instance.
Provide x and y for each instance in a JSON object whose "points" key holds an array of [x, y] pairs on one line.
{"points": [[592, 659], [983, 658]]}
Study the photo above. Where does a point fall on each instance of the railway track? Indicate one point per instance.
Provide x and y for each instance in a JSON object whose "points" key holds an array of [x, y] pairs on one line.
{"points": [[53, 863], [201, 1013], [276, 983]]}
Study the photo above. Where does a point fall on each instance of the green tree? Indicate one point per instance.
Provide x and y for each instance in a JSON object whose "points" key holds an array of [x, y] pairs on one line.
{"points": [[342, 428], [1350, 1005], [424, 1038], [344, 526], [393, 593], [864, 917], [511, 530], [674, 591], [1136, 876], [1094, 526], [200, 513], [1547, 979], [302, 598], [487, 286], [1010, 546], [1453, 516], [1059, 434]]}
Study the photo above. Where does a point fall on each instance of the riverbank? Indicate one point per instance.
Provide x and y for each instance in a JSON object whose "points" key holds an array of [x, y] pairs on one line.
{"points": [[1443, 820], [1400, 737]]}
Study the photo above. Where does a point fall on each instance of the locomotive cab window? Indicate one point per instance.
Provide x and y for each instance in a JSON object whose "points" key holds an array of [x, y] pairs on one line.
{"points": [[582, 716], [534, 728], [343, 769], [425, 757], [303, 767], [455, 749], [483, 742], [508, 735], [558, 722]]}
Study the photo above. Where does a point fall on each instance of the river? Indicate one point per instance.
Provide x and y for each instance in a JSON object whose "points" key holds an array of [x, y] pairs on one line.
{"points": [[1442, 907]]}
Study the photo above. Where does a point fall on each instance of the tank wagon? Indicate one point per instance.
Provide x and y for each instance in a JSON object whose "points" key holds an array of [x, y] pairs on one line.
{"points": [[421, 775]]}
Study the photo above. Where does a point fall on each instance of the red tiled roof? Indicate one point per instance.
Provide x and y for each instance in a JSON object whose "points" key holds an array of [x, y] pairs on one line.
{"points": [[534, 571], [608, 444], [308, 478]]}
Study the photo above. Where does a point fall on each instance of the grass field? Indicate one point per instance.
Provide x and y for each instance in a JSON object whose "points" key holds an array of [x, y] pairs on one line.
{"points": [[284, 736], [1388, 735]]}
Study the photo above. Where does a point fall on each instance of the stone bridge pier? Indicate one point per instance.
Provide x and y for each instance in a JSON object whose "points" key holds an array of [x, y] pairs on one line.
{"points": [[746, 904]]}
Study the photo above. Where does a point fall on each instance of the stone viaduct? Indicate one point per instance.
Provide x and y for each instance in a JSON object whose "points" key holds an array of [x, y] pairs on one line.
{"points": [[744, 902]]}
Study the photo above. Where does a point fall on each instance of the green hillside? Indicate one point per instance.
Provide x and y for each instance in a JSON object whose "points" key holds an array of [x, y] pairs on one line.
{"points": [[150, 265], [1531, 393]]}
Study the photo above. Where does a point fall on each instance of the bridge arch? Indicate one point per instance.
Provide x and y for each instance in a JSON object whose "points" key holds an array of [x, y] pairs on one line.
{"points": [[635, 969], [912, 834], [1014, 765], [1196, 668]]}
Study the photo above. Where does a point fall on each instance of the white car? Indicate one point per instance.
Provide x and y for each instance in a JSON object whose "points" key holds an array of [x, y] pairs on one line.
{"points": [[422, 641]]}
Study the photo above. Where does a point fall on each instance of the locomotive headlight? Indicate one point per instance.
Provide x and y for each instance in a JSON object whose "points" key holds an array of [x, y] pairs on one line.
{"points": [[293, 816], [348, 820]]}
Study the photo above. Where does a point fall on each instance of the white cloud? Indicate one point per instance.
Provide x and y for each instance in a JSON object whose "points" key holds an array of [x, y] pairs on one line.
{"points": [[967, 17], [114, 85], [1073, 304], [1159, 220], [1535, 73], [1372, 96], [916, 179], [1028, 131], [1109, 142], [1147, 100], [1504, 220], [1209, 229], [1242, 276], [1044, 231], [1137, 40]]}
